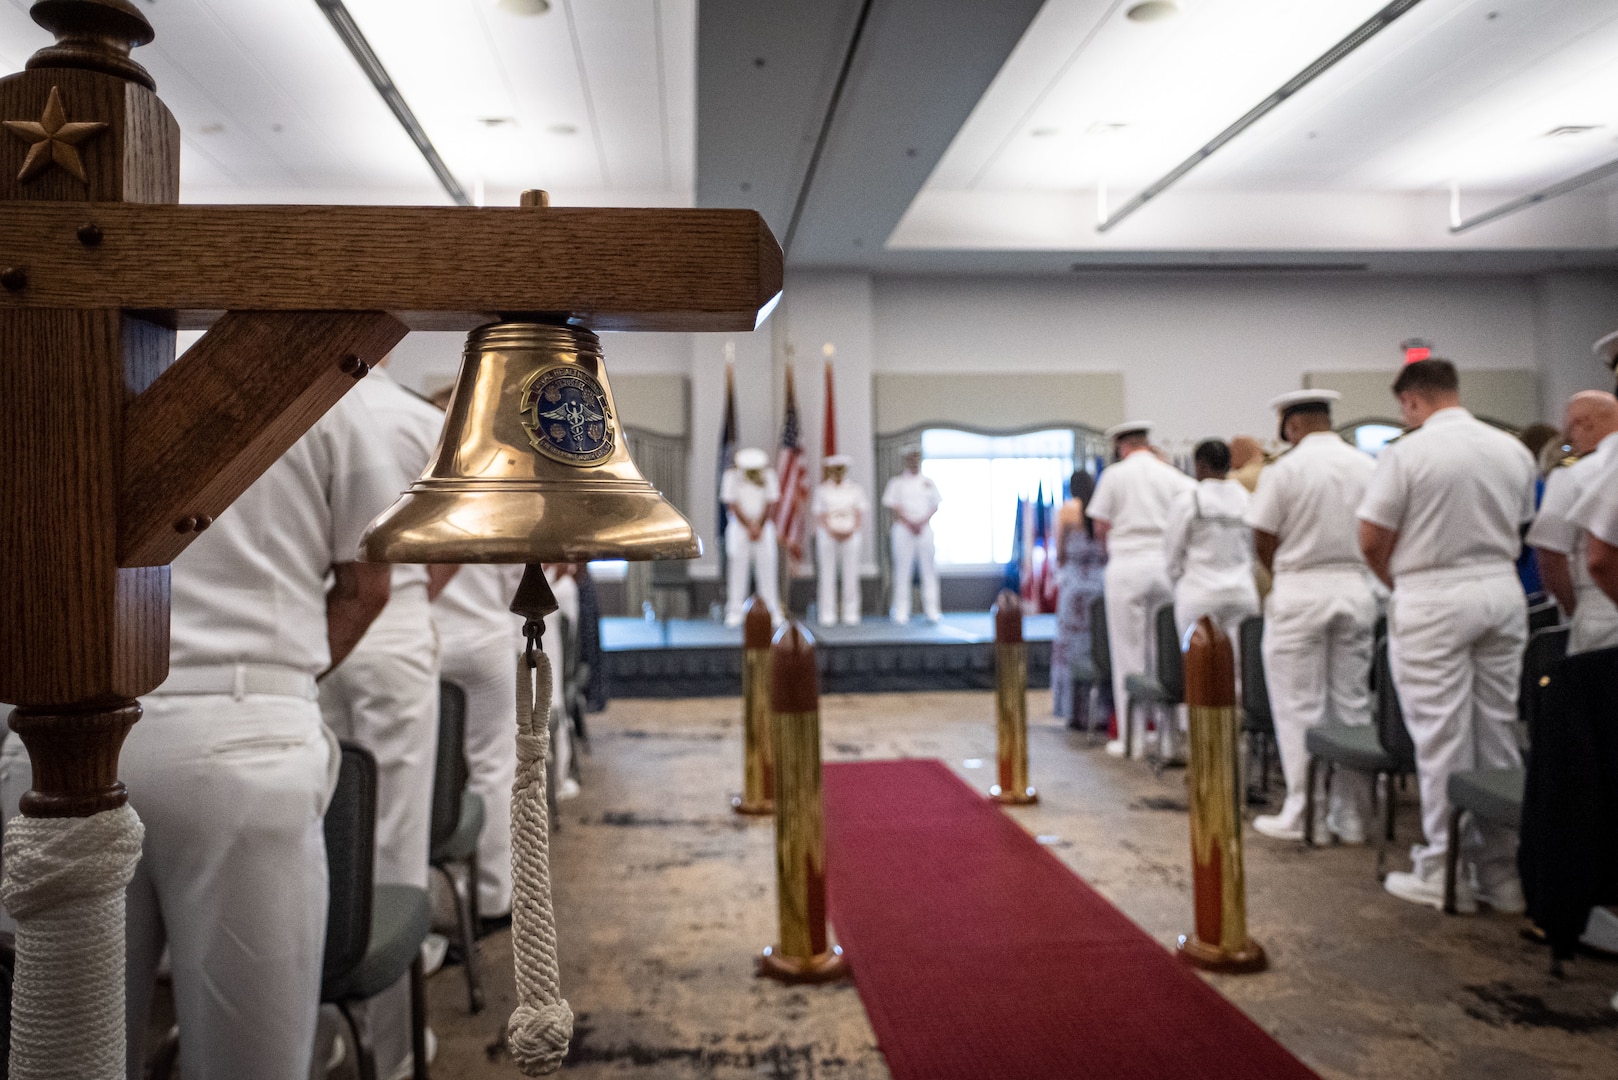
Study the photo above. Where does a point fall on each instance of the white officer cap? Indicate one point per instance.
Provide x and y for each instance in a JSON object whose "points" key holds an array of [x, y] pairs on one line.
{"points": [[1130, 427], [838, 460], [1607, 349], [752, 458], [1304, 397]]}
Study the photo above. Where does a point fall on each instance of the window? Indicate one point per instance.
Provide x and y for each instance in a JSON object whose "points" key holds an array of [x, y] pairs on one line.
{"points": [[980, 478], [1373, 437]]}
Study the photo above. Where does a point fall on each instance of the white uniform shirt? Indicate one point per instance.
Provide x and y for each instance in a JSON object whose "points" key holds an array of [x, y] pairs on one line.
{"points": [[843, 505], [1596, 511], [1554, 528], [1456, 490], [475, 607], [1133, 497], [1308, 497], [1205, 540], [252, 589], [911, 496], [410, 427], [750, 498]]}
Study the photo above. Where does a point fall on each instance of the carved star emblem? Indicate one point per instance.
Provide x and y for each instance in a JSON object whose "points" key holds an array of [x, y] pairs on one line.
{"points": [[54, 140]]}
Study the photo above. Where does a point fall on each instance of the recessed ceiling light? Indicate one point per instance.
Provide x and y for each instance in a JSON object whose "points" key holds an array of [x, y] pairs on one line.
{"points": [[1044, 132], [562, 129], [497, 121], [1106, 127], [524, 7], [1571, 129], [1152, 11]]}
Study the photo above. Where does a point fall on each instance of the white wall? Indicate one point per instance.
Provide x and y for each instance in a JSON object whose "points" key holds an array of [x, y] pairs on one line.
{"points": [[1200, 356]]}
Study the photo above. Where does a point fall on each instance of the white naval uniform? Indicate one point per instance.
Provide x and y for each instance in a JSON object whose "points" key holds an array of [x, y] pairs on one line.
{"points": [[230, 767], [844, 505], [745, 555], [913, 496], [1133, 497], [1208, 549], [384, 695], [478, 647], [1595, 618], [1457, 492], [1320, 614], [566, 591]]}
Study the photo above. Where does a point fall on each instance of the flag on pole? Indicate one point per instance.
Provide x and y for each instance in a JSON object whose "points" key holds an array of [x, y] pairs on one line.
{"points": [[727, 440], [828, 438], [793, 509]]}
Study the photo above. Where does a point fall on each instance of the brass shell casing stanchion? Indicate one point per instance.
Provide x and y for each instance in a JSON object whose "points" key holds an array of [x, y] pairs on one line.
{"points": [[804, 955], [1219, 888], [1011, 704], [758, 740]]}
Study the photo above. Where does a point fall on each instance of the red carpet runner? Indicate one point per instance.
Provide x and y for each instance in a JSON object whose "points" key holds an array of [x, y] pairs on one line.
{"points": [[979, 956]]}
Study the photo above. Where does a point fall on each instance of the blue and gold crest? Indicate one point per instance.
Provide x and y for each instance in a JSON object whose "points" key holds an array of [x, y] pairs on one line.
{"points": [[565, 412]]}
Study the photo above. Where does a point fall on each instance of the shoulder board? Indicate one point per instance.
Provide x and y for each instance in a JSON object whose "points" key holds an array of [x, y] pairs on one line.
{"points": [[1570, 459]]}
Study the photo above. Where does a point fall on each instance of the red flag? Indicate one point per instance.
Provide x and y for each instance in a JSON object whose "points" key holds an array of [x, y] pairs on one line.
{"points": [[793, 508], [828, 440]]}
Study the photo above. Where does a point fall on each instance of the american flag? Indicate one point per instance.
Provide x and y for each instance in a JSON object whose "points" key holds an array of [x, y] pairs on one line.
{"points": [[793, 509]]}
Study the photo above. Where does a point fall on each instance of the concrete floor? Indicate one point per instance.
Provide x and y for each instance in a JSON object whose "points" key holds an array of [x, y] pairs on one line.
{"points": [[663, 897]]}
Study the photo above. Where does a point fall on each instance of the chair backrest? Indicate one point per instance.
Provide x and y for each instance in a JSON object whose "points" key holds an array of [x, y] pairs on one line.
{"points": [[1170, 664], [1255, 691], [350, 861], [1389, 716], [671, 574], [450, 771], [1546, 648], [1543, 614], [1100, 650]]}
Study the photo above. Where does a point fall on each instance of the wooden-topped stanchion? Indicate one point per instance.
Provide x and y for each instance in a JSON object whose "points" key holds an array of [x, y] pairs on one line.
{"points": [[805, 953], [758, 741], [1219, 941], [1011, 704]]}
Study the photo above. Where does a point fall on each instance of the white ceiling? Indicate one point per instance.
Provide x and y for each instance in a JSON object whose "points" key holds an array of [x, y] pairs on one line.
{"points": [[595, 100], [1091, 107]]}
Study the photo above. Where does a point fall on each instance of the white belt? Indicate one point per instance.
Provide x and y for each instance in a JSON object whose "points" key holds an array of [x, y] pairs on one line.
{"points": [[1434, 575], [1357, 570], [239, 680]]}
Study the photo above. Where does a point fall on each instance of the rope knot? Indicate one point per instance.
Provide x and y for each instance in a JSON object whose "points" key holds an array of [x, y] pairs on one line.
{"points": [[54, 863], [538, 1036]]}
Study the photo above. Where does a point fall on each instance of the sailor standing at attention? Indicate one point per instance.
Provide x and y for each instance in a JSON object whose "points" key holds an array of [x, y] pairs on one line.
{"points": [[1441, 525], [1591, 429], [750, 491], [839, 506], [1209, 548], [1130, 509], [914, 499], [1321, 611]]}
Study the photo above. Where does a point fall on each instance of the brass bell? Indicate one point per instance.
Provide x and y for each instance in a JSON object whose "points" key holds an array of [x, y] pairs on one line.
{"points": [[532, 465]]}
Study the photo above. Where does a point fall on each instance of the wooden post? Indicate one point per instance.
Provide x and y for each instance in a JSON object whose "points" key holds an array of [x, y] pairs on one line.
{"points": [[758, 740], [1219, 887], [805, 954], [1011, 704]]}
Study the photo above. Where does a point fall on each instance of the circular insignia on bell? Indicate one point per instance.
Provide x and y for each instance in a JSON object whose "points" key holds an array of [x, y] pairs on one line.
{"points": [[565, 412]]}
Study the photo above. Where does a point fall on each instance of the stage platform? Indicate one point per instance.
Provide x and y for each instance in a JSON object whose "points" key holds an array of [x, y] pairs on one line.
{"points": [[702, 658]]}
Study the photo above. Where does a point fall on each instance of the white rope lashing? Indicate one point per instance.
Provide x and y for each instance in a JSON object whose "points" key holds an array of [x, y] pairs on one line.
{"points": [[64, 884], [542, 1024]]}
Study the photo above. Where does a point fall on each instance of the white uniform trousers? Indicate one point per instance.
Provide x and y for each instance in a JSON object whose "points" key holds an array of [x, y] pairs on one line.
{"points": [[1135, 585], [1226, 607], [1456, 640], [384, 696], [232, 878], [913, 553], [486, 670], [1594, 623], [832, 556], [1318, 631], [756, 557]]}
